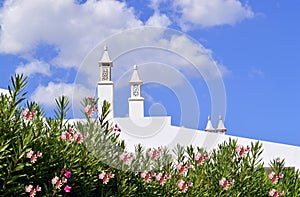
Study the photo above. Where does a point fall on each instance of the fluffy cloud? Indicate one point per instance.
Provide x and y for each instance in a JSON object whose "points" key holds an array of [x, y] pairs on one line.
{"points": [[194, 13], [72, 28], [34, 67], [158, 20], [46, 95]]}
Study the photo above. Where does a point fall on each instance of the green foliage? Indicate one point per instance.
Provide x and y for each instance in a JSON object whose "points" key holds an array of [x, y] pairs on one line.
{"points": [[34, 150]]}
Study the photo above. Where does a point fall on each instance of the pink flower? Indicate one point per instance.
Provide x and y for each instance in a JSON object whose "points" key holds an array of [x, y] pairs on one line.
{"points": [[58, 184], [79, 138], [200, 158], [71, 131], [28, 188], [27, 114], [126, 157], [63, 136], [190, 184], [281, 193], [29, 154], [241, 151], [144, 174], [32, 193], [67, 188], [182, 168], [122, 156], [158, 176], [38, 188], [197, 156], [33, 158], [280, 175], [162, 181], [111, 176], [179, 166], [102, 175], [271, 175], [68, 174], [272, 192], [69, 137], [147, 178], [153, 174], [87, 108], [225, 183], [222, 181], [63, 180], [115, 128], [54, 180], [75, 136], [184, 188], [38, 154], [180, 184], [105, 179], [167, 176], [154, 153]]}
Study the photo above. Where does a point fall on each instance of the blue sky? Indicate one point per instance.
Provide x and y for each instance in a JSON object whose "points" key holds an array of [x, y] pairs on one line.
{"points": [[255, 44]]}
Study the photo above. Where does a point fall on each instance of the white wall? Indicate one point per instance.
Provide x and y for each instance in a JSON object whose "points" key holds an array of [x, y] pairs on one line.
{"points": [[106, 92]]}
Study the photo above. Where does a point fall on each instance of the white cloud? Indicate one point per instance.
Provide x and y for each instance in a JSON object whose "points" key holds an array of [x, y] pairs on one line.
{"points": [[158, 20], [34, 67], [72, 28], [46, 95], [195, 13]]}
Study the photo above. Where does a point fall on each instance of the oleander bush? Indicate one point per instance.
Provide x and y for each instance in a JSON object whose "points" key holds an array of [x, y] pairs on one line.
{"points": [[42, 156]]}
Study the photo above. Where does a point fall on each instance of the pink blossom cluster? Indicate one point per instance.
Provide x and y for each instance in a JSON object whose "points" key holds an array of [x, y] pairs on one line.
{"points": [[184, 186], [72, 135], [223, 182], [162, 178], [91, 107], [28, 114], [105, 177], [200, 158], [272, 176], [58, 182], [33, 157], [182, 168], [115, 128], [241, 150], [275, 193], [32, 190], [147, 176], [154, 153], [126, 157]]}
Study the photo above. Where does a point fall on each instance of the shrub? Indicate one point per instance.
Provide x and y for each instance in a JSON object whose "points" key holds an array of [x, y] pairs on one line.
{"points": [[55, 157]]}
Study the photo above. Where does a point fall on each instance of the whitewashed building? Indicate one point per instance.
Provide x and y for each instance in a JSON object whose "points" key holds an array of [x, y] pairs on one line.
{"points": [[158, 131]]}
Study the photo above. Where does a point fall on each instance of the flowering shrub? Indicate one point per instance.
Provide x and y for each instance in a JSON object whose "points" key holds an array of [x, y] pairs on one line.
{"points": [[42, 156]]}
